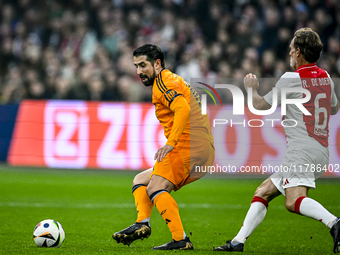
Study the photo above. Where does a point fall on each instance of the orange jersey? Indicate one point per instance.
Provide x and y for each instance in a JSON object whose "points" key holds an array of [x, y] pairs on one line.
{"points": [[168, 92]]}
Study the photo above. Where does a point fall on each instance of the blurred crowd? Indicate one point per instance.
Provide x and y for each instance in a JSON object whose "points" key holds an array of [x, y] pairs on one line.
{"points": [[82, 49]]}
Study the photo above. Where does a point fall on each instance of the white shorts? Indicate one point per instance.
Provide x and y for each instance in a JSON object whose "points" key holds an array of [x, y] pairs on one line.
{"points": [[301, 167]]}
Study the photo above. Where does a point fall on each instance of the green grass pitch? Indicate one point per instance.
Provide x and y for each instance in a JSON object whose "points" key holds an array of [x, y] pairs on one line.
{"points": [[93, 204]]}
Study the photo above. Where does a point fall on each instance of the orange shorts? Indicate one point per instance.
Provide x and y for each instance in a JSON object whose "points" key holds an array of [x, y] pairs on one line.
{"points": [[178, 166]]}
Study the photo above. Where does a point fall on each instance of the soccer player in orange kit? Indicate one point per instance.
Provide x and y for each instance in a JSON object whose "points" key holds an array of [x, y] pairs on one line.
{"points": [[189, 144]]}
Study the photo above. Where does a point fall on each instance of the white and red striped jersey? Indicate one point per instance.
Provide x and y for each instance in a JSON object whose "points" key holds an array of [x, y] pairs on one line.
{"points": [[314, 127]]}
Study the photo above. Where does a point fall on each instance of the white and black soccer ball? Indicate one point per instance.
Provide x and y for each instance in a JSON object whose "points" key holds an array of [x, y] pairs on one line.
{"points": [[49, 233]]}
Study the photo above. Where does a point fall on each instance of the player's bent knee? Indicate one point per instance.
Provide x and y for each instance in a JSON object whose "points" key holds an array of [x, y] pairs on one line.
{"points": [[137, 180], [290, 205], [259, 192], [142, 178], [262, 191], [159, 183], [294, 197], [151, 190], [267, 190]]}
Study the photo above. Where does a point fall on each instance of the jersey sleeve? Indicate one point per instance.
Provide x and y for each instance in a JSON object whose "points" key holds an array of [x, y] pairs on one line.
{"points": [[170, 94], [269, 97], [181, 111], [288, 79]]}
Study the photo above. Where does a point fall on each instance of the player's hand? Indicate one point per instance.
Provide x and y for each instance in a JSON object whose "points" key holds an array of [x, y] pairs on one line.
{"points": [[250, 81], [161, 153]]}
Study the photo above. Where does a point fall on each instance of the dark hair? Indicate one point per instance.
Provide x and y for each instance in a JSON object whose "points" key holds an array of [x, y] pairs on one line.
{"points": [[309, 43], [152, 53]]}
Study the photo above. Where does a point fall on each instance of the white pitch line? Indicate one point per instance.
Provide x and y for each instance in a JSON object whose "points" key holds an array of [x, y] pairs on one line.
{"points": [[116, 205], [131, 205], [65, 205]]}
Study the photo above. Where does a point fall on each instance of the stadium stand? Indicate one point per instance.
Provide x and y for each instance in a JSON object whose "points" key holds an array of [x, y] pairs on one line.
{"points": [[82, 49]]}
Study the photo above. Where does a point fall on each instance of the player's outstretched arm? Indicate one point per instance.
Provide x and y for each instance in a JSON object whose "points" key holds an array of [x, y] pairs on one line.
{"points": [[335, 109], [250, 81]]}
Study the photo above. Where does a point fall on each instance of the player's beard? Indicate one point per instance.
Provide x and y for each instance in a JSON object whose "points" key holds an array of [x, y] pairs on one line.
{"points": [[150, 80]]}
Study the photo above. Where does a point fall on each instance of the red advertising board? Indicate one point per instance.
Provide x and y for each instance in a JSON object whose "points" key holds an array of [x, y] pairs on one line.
{"points": [[80, 134]]}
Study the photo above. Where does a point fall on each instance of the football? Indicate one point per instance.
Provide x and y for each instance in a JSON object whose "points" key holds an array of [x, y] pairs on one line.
{"points": [[49, 233]]}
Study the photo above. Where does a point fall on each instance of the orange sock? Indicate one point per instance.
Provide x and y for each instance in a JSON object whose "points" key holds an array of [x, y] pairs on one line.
{"points": [[142, 202], [168, 208]]}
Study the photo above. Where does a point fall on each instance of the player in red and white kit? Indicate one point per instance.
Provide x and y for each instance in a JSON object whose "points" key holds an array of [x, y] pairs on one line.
{"points": [[307, 153]]}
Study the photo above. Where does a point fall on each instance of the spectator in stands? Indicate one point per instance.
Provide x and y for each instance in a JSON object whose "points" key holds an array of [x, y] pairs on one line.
{"points": [[62, 40]]}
